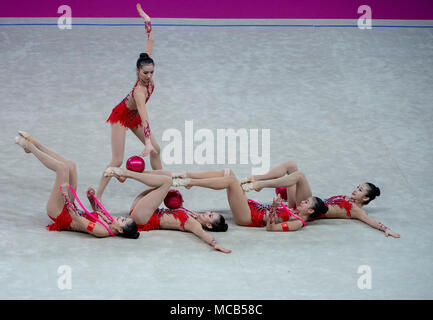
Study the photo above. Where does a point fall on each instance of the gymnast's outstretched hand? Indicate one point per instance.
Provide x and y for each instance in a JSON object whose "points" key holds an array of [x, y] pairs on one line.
{"points": [[219, 248], [389, 232]]}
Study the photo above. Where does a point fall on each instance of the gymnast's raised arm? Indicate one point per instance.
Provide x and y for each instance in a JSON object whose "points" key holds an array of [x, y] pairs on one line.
{"points": [[148, 27]]}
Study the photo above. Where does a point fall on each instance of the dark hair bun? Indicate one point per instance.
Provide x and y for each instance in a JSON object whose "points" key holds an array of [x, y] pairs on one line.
{"points": [[374, 191], [319, 208], [130, 231], [144, 59], [377, 190]]}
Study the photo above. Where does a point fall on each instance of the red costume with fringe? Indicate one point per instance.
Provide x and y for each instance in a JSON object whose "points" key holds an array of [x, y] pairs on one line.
{"points": [[129, 118], [62, 221]]}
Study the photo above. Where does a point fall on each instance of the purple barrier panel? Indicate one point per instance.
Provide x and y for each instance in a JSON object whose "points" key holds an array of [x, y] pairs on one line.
{"points": [[223, 9]]}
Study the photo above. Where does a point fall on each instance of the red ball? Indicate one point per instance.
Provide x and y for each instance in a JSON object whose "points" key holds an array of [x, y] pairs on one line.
{"points": [[173, 199], [135, 163], [282, 192]]}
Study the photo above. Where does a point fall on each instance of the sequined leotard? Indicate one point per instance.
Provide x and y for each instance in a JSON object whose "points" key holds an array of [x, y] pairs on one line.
{"points": [[340, 201], [129, 118], [154, 222], [258, 212]]}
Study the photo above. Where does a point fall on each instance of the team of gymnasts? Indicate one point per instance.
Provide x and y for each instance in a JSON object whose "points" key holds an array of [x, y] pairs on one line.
{"points": [[146, 214]]}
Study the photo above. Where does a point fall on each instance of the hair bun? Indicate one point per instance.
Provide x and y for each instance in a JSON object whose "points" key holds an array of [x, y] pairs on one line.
{"points": [[377, 191], [144, 56]]}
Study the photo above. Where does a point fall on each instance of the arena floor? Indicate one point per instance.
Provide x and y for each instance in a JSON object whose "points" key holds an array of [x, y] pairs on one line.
{"points": [[347, 105]]}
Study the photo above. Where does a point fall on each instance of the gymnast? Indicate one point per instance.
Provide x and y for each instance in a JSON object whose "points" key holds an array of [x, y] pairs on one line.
{"points": [[66, 215], [249, 213], [286, 175], [151, 217], [61, 206], [131, 113]]}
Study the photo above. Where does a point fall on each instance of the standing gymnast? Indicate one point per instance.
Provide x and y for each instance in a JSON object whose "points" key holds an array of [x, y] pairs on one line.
{"points": [[247, 212], [148, 216], [61, 206], [131, 113], [344, 207]]}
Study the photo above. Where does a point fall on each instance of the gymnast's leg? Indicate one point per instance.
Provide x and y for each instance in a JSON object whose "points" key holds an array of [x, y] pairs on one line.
{"points": [[56, 200], [150, 200], [225, 179]]}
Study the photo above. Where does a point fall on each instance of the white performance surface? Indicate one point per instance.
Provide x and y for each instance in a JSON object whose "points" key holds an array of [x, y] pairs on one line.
{"points": [[347, 105]]}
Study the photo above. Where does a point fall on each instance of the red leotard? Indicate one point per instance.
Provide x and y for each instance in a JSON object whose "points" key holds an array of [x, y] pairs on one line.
{"points": [[129, 118], [258, 212], [62, 221], [340, 201], [154, 222]]}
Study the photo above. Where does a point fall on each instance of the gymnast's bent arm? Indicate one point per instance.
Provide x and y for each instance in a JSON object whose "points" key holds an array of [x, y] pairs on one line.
{"points": [[80, 223], [284, 226], [83, 225]]}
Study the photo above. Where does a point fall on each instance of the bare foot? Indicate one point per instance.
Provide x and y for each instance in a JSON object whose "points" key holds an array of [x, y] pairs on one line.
{"points": [[180, 175], [246, 180], [247, 187], [256, 186], [26, 136], [115, 172], [182, 183]]}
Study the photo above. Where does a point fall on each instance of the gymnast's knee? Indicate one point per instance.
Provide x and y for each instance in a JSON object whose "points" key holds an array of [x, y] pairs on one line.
{"points": [[71, 165], [300, 175], [167, 181], [165, 173], [291, 166], [233, 180], [228, 172], [62, 169]]}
